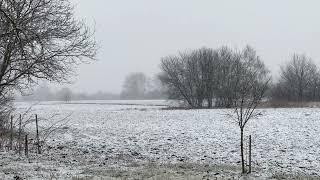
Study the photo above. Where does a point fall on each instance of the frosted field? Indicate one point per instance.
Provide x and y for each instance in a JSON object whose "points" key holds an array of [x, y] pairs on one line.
{"points": [[138, 139]]}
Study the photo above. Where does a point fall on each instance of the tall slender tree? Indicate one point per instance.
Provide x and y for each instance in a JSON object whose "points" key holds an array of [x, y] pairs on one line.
{"points": [[252, 82]]}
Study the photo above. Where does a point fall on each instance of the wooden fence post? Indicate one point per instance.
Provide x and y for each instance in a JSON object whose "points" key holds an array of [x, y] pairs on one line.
{"points": [[38, 141], [26, 146], [20, 132], [250, 154]]}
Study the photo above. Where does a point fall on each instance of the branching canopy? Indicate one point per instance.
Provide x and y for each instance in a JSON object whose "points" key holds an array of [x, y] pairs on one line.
{"points": [[40, 39]]}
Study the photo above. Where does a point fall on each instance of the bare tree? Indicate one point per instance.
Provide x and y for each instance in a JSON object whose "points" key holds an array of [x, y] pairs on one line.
{"points": [[174, 77], [299, 80], [134, 86], [252, 82], [189, 76], [65, 94], [40, 39]]}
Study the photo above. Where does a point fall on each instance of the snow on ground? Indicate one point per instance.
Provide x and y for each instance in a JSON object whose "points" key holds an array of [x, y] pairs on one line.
{"points": [[122, 139]]}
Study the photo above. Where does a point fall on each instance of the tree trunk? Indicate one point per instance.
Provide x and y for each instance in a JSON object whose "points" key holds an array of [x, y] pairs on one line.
{"points": [[20, 131], [210, 102], [37, 135], [241, 149]]}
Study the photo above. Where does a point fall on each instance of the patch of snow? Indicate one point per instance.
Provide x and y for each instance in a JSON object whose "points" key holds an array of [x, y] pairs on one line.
{"points": [[117, 135]]}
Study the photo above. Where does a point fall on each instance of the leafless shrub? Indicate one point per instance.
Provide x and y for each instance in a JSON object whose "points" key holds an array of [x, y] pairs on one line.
{"points": [[47, 127]]}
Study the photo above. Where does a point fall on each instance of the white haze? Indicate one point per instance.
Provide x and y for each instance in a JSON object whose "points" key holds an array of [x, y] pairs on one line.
{"points": [[134, 35]]}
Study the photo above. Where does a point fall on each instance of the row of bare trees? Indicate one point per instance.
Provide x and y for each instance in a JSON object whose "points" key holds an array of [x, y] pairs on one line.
{"points": [[212, 77]]}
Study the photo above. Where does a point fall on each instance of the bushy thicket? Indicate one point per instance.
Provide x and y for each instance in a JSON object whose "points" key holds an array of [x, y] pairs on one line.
{"points": [[210, 77]]}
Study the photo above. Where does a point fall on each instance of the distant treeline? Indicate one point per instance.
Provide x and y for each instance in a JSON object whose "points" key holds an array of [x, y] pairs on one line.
{"points": [[135, 86], [44, 93], [209, 78], [139, 86]]}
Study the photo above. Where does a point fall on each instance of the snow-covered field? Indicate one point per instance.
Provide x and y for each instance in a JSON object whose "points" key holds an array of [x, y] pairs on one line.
{"points": [[138, 139]]}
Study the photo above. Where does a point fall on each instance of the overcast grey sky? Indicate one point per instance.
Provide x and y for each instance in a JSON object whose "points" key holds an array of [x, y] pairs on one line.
{"points": [[135, 34]]}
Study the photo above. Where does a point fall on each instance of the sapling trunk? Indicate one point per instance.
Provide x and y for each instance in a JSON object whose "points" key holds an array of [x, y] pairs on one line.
{"points": [[26, 149], [38, 140], [250, 154], [242, 152]]}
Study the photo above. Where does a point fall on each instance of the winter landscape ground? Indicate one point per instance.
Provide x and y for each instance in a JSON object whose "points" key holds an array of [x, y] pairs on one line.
{"points": [[143, 140]]}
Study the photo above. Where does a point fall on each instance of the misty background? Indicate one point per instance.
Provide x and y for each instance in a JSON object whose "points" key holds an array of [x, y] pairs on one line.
{"points": [[133, 37]]}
